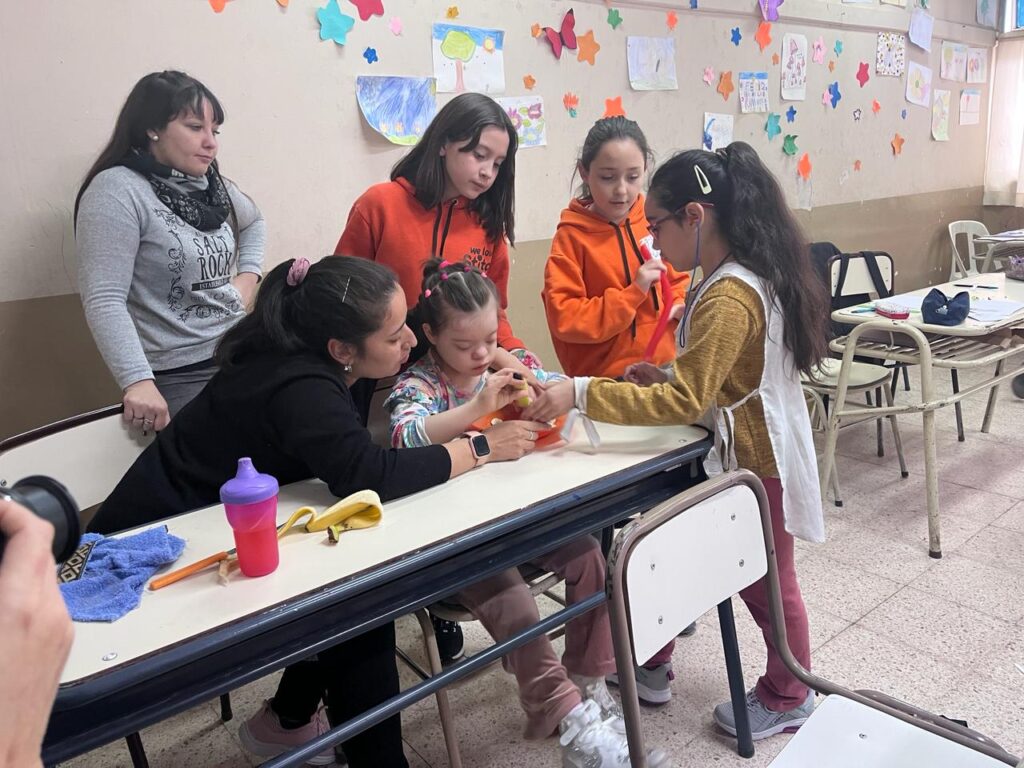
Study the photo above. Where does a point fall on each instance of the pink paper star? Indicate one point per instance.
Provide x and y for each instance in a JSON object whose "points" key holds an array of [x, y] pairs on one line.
{"points": [[368, 8], [709, 75], [818, 56], [395, 25], [862, 74], [826, 98]]}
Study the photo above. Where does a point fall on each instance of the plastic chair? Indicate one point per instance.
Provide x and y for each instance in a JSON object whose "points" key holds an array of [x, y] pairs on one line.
{"points": [[981, 257], [715, 539]]}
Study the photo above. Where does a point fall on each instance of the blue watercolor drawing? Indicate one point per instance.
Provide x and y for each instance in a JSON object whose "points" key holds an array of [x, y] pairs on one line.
{"points": [[398, 108]]}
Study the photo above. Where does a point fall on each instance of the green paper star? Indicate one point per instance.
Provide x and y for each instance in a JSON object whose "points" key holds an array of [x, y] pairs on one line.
{"points": [[772, 126], [614, 18], [789, 144]]}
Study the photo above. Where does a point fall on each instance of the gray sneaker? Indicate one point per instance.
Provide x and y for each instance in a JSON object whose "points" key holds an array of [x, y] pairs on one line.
{"points": [[653, 686], [763, 721]]}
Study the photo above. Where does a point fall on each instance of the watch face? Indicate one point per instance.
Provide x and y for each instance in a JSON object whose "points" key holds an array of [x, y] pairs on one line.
{"points": [[480, 446]]}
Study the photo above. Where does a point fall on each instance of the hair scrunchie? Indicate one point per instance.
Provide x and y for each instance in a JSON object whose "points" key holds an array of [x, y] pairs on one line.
{"points": [[297, 271]]}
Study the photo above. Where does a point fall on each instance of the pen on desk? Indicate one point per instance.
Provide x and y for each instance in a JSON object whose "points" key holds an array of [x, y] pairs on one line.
{"points": [[973, 285], [862, 310]]}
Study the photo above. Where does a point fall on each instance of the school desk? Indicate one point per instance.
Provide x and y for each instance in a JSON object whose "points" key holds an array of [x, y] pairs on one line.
{"points": [[972, 344], [191, 641], [1001, 245]]}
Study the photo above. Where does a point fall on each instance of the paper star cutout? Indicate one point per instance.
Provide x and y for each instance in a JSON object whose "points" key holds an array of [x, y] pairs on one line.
{"points": [[614, 18], [693, 5], [856, 165], [775, 59], [370, 54], [529, 82], [804, 167], [838, 47], [770, 9], [368, 8], [709, 75], [875, 106], [862, 74], [218, 5], [671, 19], [772, 126], [835, 94], [844, 177], [789, 144], [897, 144], [570, 101], [283, 3], [725, 86], [613, 107], [535, 30], [395, 25], [334, 25], [452, 12], [903, 114], [831, 65], [791, 114], [763, 36], [588, 47], [826, 97], [856, 115], [736, 36], [818, 54]]}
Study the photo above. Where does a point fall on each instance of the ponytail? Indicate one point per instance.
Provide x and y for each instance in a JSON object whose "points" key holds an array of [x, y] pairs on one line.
{"points": [[762, 234], [450, 286]]}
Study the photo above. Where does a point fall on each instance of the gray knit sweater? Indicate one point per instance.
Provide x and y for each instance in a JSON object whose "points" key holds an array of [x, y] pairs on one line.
{"points": [[157, 292]]}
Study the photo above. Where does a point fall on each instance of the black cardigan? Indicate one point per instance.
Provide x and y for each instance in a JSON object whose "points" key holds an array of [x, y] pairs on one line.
{"points": [[294, 417]]}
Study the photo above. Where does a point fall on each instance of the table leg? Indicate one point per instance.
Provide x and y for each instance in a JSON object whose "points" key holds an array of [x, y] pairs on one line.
{"points": [[931, 481], [993, 394], [955, 379]]}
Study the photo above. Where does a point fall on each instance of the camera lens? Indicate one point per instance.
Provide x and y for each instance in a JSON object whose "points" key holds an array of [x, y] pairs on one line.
{"points": [[51, 501]]}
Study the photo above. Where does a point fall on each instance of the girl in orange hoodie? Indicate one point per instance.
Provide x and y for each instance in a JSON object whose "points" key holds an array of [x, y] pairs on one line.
{"points": [[598, 293]]}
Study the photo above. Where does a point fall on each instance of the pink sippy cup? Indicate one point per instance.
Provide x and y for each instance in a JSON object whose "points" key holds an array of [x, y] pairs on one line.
{"points": [[250, 501]]}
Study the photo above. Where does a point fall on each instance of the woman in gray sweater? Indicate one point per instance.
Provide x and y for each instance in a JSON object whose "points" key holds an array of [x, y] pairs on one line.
{"points": [[169, 252]]}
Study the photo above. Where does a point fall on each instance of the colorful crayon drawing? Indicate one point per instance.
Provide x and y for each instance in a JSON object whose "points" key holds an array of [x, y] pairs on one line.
{"points": [[468, 59], [527, 115], [398, 108]]}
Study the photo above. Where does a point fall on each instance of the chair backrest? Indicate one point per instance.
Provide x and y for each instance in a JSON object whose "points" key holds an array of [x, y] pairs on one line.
{"points": [[857, 279], [89, 454], [687, 556], [970, 229]]}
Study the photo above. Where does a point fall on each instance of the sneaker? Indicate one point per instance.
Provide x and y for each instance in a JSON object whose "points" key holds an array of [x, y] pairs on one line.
{"points": [[587, 741], [763, 721], [1017, 385], [450, 644], [690, 630], [611, 712], [653, 686], [263, 735]]}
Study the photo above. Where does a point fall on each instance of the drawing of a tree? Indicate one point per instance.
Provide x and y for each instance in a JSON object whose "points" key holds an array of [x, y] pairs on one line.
{"points": [[459, 47]]}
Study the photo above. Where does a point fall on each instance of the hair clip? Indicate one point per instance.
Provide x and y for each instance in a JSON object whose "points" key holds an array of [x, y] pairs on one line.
{"points": [[444, 277], [444, 263], [297, 272], [426, 294], [702, 180], [466, 267], [344, 293]]}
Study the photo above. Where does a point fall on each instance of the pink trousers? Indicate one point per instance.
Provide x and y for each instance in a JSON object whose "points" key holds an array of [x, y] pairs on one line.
{"points": [[777, 688], [504, 606]]}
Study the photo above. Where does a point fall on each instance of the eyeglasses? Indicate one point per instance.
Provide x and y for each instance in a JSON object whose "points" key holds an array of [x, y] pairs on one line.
{"points": [[655, 224]]}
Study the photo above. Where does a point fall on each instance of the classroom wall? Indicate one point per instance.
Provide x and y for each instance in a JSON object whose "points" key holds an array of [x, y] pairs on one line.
{"points": [[295, 139]]}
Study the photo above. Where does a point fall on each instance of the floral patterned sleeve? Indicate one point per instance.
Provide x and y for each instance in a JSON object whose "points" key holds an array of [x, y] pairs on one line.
{"points": [[415, 396], [531, 361]]}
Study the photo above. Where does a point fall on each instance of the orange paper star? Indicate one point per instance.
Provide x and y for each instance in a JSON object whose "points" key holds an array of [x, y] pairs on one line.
{"points": [[529, 82], [283, 3], [671, 20], [775, 59], [725, 86], [218, 5], [764, 35], [831, 65], [875, 106], [613, 107], [804, 167], [453, 12], [856, 165], [535, 30], [588, 47], [897, 144]]}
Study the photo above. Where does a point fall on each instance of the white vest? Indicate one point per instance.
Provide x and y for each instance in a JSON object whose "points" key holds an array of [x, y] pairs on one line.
{"points": [[785, 413]]}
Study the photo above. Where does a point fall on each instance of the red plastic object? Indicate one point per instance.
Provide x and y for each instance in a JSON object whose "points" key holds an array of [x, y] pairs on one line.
{"points": [[666, 308], [511, 412], [255, 529]]}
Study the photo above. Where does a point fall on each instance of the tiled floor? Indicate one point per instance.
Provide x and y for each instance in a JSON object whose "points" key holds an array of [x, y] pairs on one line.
{"points": [[943, 634]]}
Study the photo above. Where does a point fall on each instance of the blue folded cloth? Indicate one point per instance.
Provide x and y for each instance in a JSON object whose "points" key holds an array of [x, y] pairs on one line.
{"points": [[116, 572]]}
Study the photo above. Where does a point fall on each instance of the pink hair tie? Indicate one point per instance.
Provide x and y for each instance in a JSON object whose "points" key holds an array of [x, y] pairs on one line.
{"points": [[297, 271], [444, 263], [426, 294]]}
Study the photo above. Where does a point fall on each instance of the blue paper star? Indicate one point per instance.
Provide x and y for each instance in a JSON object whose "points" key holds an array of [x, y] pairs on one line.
{"points": [[736, 36], [334, 25], [834, 92], [772, 126], [903, 114], [838, 47], [791, 114], [370, 54], [693, 3]]}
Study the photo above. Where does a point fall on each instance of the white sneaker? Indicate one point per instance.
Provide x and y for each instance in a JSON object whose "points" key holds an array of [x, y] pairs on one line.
{"points": [[611, 712], [587, 741]]}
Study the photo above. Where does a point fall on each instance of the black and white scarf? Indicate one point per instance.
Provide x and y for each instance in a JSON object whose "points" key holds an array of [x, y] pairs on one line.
{"points": [[202, 202]]}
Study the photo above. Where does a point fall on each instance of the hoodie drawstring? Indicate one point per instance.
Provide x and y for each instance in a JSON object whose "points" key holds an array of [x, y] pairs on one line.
{"points": [[625, 270], [434, 249]]}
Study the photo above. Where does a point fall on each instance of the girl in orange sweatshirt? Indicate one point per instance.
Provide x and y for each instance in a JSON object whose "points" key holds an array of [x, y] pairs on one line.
{"points": [[598, 293]]}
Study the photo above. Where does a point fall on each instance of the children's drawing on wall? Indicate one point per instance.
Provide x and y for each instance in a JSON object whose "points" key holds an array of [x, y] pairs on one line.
{"points": [[900, 3], [940, 115], [919, 85], [468, 59], [753, 92], [652, 63], [970, 106], [527, 114], [794, 67], [987, 13], [977, 65], [717, 131], [891, 54], [953, 61], [920, 32], [398, 108]]}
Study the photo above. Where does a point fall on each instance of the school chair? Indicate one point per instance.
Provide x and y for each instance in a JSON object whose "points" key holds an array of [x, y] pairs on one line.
{"points": [[702, 546], [981, 257], [89, 454]]}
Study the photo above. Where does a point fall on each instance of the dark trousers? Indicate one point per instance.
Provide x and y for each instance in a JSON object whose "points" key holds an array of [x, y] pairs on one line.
{"points": [[350, 677]]}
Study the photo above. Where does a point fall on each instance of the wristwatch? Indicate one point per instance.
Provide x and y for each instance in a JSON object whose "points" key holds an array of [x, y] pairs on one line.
{"points": [[478, 445]]}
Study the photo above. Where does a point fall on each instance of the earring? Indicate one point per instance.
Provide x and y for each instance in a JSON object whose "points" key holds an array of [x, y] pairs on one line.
{"points": [[347, 367], [154, 137]]}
